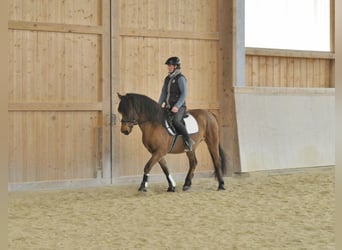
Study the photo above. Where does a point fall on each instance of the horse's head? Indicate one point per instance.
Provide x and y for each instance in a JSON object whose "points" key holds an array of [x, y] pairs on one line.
{"points": [[129, 116], [138, 109]]}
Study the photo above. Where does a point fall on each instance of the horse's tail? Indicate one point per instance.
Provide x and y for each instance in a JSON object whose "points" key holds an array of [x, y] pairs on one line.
{"points": [[222, 155], [223, 160]]}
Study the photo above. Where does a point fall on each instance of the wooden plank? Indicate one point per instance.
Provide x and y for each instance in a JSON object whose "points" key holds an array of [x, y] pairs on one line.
{"points": [[310, 73], [330, 77], [296, 72], [283, 72], [55, 27], [316, 72], [302, 73], [15, 170], [289, 53], [262, 71], [56, 11], [290, 72], [152, 16], [269, 71], [323, 83], [44, 106], [255, 71], [249, 71], [276, 71]]}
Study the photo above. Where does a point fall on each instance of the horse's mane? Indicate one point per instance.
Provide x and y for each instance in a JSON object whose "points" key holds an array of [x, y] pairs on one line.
{"points": [[144, 106]]}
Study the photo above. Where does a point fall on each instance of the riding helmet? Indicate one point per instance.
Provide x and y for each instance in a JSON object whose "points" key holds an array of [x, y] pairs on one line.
{"points": [[173, 61]]}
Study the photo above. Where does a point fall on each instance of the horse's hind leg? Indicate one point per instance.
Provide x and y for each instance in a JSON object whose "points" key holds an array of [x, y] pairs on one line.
{"points": [[192, 166], [172, 183]]}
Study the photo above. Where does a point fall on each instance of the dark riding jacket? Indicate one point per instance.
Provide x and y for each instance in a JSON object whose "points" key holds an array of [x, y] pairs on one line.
{"points": [[174, 91]]}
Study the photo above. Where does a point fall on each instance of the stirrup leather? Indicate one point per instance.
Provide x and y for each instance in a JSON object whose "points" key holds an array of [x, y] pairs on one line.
{"points": [[188, 144]]}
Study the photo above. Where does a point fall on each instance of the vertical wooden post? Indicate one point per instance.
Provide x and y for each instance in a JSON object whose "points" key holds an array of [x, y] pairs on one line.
{"points": [[115, 77], [229, 136], [106, 82]]}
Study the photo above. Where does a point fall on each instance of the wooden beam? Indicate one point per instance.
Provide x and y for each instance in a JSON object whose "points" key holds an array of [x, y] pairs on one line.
{"points": [[169, 34], [284, 91], [55, 27], [289, 53], [40, 106]]}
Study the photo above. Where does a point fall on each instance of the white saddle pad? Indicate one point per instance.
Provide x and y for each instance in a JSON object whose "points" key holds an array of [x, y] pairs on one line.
{"points": [[190, 125]]}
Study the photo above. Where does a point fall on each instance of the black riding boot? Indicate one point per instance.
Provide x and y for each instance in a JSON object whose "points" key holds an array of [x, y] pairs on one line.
{"points": [[180, 127], [188, 142]]}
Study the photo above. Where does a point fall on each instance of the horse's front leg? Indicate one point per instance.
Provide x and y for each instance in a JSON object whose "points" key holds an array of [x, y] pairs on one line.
{"points": [[192, 166], [172, 183], [144, 183]]}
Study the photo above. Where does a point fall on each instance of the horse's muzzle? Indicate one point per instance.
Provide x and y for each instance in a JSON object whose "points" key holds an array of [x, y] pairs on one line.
{"points": [[125, 132], [126, 129]]}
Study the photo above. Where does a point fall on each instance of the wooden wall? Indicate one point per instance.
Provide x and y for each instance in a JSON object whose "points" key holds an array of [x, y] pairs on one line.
{"points": [[68, 59], [283, 68], [145, 34], [61, 93], [58, 95]]}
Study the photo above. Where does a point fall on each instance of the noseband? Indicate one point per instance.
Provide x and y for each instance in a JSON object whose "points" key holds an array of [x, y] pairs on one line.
{"points": [[130, 123]]}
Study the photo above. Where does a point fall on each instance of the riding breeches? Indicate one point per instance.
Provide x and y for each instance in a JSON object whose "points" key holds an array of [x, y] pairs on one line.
{"points": [[177, 122]]}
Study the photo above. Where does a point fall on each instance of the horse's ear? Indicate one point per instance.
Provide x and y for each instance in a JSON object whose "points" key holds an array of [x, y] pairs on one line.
{"points": [[120, 96]]}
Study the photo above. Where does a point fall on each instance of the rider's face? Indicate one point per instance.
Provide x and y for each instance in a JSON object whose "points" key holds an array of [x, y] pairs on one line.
{"points": [[171, 68]]}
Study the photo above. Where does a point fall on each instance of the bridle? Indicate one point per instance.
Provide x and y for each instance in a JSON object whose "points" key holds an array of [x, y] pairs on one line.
{"points": [[130, 123]]}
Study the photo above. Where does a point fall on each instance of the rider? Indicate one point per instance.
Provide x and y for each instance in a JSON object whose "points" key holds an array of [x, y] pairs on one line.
{"points": [[173, 94]]}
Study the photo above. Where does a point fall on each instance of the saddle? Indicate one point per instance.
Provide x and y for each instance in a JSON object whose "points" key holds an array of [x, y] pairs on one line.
{"points": [[188, 120]]}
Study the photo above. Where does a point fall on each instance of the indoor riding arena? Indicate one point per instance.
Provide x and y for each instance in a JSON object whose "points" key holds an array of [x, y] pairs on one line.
{"points": [[73, 177]]}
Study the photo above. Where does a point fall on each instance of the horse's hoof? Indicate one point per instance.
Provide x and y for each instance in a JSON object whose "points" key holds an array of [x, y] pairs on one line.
{"points": [[142, 189], [220, 188], [171, 189], [186, 188]]}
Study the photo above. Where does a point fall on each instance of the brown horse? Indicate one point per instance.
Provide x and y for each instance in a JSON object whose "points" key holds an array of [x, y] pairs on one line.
{"points": [[141, 110]]}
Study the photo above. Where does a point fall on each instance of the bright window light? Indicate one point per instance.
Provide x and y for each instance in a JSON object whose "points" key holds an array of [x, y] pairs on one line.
{"points": [[288, 24]]}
